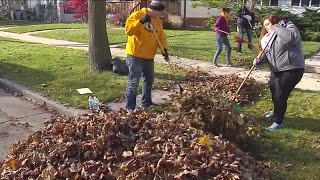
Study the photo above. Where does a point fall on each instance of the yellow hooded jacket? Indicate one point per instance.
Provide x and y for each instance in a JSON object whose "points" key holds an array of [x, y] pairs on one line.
{"points": [[142, 43]]}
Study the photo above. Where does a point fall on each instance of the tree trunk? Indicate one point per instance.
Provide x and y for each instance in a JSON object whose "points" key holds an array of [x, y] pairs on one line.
{"points": [[99, 49], [252, 5]]}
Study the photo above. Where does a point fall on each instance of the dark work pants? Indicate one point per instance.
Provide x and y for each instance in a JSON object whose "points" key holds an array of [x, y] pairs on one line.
{"points": [[281, 85], [242, 31]]}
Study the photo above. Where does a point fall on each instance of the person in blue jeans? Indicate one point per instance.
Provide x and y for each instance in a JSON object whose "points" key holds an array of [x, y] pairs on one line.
{"points": [[222, 29], [143, 28]]}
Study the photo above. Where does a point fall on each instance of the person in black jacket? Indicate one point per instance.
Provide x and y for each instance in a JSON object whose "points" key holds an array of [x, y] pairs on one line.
{"points": [[245, 22]]}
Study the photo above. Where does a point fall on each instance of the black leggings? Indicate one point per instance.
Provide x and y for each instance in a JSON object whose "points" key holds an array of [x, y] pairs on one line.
{"points": [[281, 85]]}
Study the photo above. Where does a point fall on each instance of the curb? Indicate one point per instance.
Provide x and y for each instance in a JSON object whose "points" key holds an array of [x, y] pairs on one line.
{"points": [[67, 111]]}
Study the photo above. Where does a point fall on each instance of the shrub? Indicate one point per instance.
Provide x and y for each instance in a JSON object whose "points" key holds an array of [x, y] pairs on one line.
{"points": [[172, 22], [308, 23], [80, 7], [117, 19]]}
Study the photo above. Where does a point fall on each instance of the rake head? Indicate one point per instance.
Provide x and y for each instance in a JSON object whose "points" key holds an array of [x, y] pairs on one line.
{"points": [[240, 40]]}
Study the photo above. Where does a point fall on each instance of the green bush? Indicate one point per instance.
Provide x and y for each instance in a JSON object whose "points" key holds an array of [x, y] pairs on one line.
{"points": [[308, 23]]}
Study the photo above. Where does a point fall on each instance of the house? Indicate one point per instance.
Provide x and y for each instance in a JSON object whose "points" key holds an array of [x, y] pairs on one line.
{"points": [[196, 16], [32, 9], [294, 6], [192, 16]]}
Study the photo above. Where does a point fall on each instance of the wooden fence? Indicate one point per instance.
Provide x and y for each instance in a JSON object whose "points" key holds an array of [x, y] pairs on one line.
{"points": [[120, 7], [172, 7]]}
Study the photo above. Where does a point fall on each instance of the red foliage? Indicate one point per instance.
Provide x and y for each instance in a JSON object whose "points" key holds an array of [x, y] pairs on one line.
{"points": [[80, 7]]}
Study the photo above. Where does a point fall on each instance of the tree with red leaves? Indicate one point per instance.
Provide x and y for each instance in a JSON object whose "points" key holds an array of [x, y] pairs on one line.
{"points": [[80, 7]]}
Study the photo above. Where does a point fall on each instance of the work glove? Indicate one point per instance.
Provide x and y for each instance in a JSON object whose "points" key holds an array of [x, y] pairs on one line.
{"points": [[165, 54], [145, 19], [247, 17], [282, 24], [256, 61]]}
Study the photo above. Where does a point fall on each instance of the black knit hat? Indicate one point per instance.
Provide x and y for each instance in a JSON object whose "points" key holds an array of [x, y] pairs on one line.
{"points": [[158, 5]]}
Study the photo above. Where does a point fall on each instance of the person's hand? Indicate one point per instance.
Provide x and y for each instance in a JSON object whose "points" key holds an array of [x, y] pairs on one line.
{"points": [[166, 54], [247, 17], [145, 19], [282, 24], [256, 61]]}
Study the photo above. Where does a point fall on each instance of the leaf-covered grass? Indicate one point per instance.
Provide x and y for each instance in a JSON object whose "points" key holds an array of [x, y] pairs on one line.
{"points": [[23, 28], [115, 36], [58, 72], [298, 143]]}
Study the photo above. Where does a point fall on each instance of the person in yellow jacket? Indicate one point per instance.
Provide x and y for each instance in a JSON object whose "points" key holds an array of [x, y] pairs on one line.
{"points": [[141, 49]]}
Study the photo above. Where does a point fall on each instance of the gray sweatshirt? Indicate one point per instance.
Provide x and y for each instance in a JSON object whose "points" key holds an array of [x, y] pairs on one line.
{"points": [[285, 52]]}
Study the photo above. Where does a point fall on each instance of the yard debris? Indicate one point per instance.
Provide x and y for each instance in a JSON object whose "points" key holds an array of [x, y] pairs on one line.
{"points": [[288, 166], [204, 105], [122, 145], [142, 145]]}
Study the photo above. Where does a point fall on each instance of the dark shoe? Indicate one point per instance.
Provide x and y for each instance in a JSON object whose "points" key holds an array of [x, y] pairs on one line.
{"points": [[216, 65], [238, 50], [250, 46], [144, 107]]}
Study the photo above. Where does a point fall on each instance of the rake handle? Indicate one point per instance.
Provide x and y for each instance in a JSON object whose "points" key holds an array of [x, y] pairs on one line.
{"points": [[244, 80], [223, 31], [253, 29], [260, 54], [155, 34]]}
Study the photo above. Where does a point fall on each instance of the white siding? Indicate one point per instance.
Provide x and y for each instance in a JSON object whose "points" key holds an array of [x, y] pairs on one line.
{"points": [[284, 3], [198, 12]]}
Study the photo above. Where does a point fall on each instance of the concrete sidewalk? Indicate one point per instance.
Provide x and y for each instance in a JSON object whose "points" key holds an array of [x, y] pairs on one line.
{"points": [[18, 118]]}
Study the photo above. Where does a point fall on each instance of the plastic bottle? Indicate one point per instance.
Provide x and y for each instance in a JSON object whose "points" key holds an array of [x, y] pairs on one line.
{"points": [[96, 103], [91, 102]]}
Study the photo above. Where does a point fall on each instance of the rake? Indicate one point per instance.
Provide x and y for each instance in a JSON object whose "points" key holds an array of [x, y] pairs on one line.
{"points": [[253, 66], [236, 38], [162, 51]]}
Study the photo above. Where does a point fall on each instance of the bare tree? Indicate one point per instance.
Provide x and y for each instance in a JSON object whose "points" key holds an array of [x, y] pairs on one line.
{"points": [[99, 49]]}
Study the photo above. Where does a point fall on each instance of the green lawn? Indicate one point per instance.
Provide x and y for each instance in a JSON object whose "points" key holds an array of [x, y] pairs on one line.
{"points": [[199, 45], [58, 72], [298, 143], [115, 36], [8, 23], [23, 28]]}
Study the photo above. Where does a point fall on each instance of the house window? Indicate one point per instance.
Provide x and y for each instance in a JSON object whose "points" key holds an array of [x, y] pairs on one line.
{"points": [[273, 2], [315, 3], [305, 3], [262, 2], [295, 2]]}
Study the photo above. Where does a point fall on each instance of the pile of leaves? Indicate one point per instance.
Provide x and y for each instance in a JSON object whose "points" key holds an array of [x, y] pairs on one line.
{"points": [[204, 104], [223, 85], [122, 145]]}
